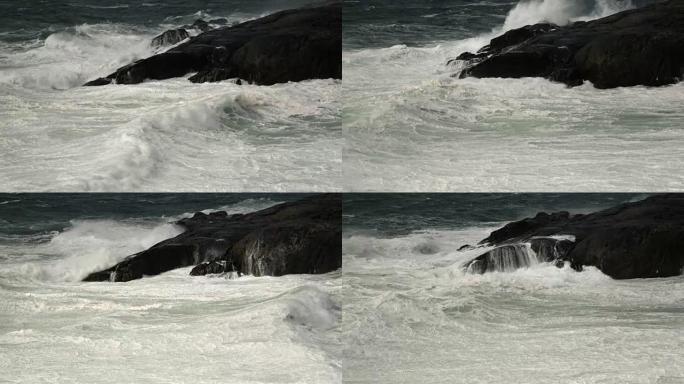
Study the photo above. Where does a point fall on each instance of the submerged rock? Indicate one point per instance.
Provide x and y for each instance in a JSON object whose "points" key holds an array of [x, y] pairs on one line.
{"points": [[633, 240], [291, 45], [213, 267], [643, 46], [298, 237]]}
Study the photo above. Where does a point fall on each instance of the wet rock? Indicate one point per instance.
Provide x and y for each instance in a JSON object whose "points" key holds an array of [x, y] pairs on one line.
{"points": [[208, 269], [634, 240], [304, 236], [291, 45], [644, 46], [100, 81], [170, 37]]}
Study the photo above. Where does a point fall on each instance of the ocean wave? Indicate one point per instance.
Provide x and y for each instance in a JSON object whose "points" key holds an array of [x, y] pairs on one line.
{"points": [[67, 59], [561, 12], [312, 308], [118, 138], [87, 246]]}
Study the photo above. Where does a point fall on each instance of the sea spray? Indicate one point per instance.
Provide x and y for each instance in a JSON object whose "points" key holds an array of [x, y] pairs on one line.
{"points": [[313, 308], [561, 12], [89, 245], [69, 58]]}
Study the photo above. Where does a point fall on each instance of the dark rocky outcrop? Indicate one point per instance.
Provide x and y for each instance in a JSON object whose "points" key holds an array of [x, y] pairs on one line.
{"points": [[99, 81], [170, 37], [291, 45], [633, 240], [643, 46], [304, 236]]}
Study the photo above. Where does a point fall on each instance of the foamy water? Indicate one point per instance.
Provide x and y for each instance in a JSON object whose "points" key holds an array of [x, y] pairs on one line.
{"points": [[172, 328], [410, 126], [411, 314]]}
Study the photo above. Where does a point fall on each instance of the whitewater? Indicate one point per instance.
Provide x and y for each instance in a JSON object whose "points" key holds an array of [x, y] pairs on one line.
{"points": [[409, 125], [413, 314], [169, 135], [162, 329]]}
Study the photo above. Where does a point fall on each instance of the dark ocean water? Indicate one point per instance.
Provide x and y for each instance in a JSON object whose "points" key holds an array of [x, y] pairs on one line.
{"points": [[37, 19], [401, 213], [32, 215], [383, 23]]}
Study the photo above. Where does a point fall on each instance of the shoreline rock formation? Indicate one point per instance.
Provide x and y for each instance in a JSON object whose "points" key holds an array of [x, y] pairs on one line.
{"points": [[300, 237], [291, 45], [643, 46], [643, 239]]}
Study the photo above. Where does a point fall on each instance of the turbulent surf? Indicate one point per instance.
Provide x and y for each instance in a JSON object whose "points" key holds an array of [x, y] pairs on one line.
{"points": [[413, 313]]}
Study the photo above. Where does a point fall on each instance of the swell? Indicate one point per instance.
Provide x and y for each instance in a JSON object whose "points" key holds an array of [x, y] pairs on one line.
{"points": [[134, 136]]}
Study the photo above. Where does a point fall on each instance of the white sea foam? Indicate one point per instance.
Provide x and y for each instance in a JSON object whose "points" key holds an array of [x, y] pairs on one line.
{"points": [[210, 330], [313, 308], [414, 317], [87, 246], [69, 58]]}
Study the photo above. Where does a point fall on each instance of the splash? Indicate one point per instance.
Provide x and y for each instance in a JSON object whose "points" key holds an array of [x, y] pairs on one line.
{"points": [[562, 12], [86, 246]]}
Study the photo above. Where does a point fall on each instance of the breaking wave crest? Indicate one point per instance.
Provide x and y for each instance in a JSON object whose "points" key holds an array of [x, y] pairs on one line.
{"points": [[562, 12]]}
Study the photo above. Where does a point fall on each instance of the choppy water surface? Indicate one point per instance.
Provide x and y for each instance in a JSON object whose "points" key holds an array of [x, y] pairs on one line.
{"points": [[412, 315], [410, 126], [166, 328], [168, 135]]}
